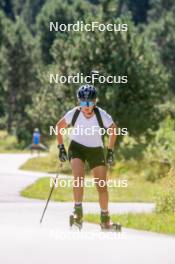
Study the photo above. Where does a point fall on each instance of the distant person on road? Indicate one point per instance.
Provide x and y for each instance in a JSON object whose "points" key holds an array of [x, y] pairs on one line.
{"points": [[36, 137], [36, 141]]}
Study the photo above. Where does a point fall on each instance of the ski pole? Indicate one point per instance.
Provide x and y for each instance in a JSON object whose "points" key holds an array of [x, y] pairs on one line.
{"points": [[50, 194]]}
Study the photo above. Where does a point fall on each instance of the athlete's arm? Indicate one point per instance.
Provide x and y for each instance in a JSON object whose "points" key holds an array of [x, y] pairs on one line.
{"points": [[112, 136], [61, 124]]}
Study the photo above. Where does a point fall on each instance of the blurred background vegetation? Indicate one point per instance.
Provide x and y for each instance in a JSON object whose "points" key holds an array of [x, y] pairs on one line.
{"points": [[29, 51], [145, 105], [145, 53]]}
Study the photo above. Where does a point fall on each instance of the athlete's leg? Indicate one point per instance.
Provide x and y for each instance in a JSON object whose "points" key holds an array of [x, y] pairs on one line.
{"points": [[78, 171], [100, 173], [100, 177]]}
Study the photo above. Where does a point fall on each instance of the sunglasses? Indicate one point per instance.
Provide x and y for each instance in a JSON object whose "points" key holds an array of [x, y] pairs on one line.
{"points": [[86, 103]]}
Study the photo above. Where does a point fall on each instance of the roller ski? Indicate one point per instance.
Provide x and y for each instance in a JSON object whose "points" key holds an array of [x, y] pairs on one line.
{"points": [[108, 225], [76, 218]]}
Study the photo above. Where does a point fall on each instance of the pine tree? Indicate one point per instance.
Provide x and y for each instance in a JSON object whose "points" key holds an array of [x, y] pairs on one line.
{"points": [[19, 76]]}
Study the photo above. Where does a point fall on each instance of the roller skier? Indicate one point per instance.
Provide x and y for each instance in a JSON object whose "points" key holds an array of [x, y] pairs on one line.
{"points": [[88, 148]]}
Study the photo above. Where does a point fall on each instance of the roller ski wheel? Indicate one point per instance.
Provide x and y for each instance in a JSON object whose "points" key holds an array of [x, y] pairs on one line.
{"points": [[76, 218], [108, 225], [113, 227]]}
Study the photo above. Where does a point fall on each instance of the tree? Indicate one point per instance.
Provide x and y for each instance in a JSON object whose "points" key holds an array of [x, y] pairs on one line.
{"points": [[4, 25], [63, 12], [129, 53], [31, 10], [7, 7], [12, 8], [162, 33], [19, 75], [158, 8], [139, 10], [47, 105]]}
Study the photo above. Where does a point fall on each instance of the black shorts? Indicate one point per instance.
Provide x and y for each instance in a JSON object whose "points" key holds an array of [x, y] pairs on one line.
{"points": [[94, 156]]}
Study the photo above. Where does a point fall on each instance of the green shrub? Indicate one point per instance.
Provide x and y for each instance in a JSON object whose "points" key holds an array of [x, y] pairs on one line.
{"points": [[162, 147], [7, 142], [165, 202], [150, 174], [157, 170], [24, 136]]}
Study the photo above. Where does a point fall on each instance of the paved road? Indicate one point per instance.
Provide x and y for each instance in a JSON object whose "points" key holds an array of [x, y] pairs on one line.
{"points": [[23, 240]]}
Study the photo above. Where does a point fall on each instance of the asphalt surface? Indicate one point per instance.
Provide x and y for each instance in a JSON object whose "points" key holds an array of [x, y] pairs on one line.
{"points": [[24, 240]]}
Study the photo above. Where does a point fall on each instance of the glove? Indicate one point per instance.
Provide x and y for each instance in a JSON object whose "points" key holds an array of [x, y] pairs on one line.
{"points": [[62, 153], [110, 157]]}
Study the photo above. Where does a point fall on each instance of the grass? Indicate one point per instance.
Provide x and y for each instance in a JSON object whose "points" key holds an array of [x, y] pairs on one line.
{"points": [[47, 163], [138, 188], [41, 189], [140, 165], [161, 223], [136, 191], [8, 143]]}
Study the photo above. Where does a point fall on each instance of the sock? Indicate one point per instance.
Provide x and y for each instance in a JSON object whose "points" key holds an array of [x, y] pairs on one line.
{"points": [[78, 204], [104, 211]]}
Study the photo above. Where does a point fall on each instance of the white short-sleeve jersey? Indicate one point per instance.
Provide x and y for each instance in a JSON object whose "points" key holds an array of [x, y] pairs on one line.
{"points": [[86, 131]]}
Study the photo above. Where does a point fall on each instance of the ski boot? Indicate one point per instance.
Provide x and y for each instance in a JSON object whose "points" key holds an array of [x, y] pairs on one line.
{"points": [[108, 225], [76, 217]]}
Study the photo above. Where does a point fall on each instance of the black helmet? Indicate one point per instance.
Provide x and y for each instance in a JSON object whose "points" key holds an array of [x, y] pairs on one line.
{"points": [[87, 92]]}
